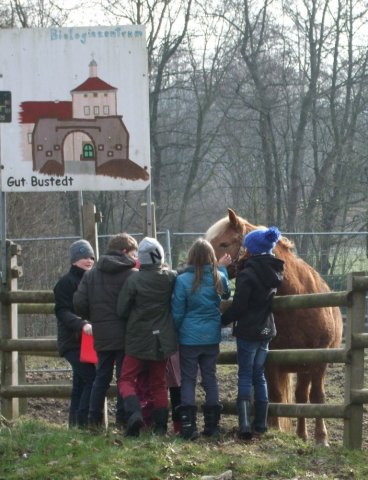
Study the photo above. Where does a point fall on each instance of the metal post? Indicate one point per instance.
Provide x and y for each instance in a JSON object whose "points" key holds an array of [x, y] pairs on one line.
{"points": [[80, 207], [3, 232], [168, 249], [2, 223], [149, 220]]}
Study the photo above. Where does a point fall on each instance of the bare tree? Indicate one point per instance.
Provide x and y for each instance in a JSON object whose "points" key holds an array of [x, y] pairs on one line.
{"points": [[34, 13], [166, 23]]}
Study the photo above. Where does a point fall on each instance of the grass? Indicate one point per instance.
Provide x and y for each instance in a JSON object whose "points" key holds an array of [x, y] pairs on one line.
{"points": [[36, 450]]}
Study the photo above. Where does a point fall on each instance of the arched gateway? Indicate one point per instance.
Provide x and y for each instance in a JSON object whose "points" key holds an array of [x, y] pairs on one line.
{"points": [[108, 147]]}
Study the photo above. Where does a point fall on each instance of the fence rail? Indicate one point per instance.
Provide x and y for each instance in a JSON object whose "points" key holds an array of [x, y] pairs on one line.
{"points": [[13, 349]]}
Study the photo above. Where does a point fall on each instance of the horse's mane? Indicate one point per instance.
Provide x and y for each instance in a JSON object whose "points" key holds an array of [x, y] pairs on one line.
{"points": [[241, 226], [217, 229]]}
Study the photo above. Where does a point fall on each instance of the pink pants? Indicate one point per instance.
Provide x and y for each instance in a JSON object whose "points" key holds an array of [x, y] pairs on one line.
{"points": [[156, 377]]}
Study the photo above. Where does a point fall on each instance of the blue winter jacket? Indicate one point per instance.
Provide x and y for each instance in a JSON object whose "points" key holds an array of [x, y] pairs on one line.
{"points": [[197, 314]]}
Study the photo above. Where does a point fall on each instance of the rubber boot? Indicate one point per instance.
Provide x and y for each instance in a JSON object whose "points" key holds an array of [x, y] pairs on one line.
{"points": [[188, 420], [135, 421], [121, 420], [73, 419], [120, 424], [176, 426], [245, 429], [260, 417], [211, 415], [82, 419], [159, 421], [95, 422], [175, 402]]}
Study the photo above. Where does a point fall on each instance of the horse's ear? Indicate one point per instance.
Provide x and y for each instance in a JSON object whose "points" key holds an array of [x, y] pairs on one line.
{"points": [[233, 219]]}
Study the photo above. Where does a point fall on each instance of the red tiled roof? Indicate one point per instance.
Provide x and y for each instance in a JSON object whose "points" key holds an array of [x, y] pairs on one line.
{"points": [[93, 83], [30, 112]]}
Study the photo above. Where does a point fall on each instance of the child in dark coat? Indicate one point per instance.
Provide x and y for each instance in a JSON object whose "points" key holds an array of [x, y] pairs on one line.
{"points": [[256, 284], [95, 300], [69, 331], [150, 338]]}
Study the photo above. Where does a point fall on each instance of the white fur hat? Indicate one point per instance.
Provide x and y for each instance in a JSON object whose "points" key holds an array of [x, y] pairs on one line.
{"points": [[150, 251]]}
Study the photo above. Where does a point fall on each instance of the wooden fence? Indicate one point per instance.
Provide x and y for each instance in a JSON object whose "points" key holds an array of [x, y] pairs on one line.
{"points": [[13, 389]]}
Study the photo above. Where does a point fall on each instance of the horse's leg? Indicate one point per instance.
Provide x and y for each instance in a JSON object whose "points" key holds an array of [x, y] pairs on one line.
{"points": [[279, 391], [301, 396], [317, 395]]}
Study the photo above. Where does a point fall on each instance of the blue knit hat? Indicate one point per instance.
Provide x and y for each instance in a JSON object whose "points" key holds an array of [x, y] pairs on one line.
{"points": [[262, 240]]}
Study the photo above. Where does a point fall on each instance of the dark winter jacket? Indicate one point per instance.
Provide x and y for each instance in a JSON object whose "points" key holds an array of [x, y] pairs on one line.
{"points": [[256, 284], [144, 305], [97, 295], [69, 324]]}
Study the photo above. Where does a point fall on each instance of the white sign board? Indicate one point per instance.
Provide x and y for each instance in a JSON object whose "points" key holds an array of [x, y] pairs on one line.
{"points": [[80, 114]]}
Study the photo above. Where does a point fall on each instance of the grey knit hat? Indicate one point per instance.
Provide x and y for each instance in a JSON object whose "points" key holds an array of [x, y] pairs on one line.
{"points": [[80, 249], [150, 252]]}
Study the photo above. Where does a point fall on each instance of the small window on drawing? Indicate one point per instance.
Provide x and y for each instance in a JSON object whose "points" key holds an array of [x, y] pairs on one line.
{"points": [[29, 136], [87, 111], [88, 151], [96, 110], [106, 109]]}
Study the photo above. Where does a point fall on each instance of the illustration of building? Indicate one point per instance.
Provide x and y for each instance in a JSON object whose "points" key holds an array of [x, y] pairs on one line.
{"points": [[82, 136]]}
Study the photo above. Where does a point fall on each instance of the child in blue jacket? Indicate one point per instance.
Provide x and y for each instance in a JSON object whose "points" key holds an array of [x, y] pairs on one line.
{"points": [[196, 312]]}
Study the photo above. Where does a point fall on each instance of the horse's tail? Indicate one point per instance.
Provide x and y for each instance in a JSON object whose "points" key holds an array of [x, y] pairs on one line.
{"points": [[283, 388]]}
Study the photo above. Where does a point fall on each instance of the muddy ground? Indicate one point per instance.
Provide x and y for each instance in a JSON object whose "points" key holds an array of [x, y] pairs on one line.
{"points": [[47, 371]]}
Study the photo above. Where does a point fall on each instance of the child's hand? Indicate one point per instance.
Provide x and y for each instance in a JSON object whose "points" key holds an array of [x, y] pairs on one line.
{"points": [[87, 329], [225, 260]]}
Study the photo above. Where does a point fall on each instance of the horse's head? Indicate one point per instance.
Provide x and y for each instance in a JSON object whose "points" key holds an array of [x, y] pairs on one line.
{"points": [[226, 236]]}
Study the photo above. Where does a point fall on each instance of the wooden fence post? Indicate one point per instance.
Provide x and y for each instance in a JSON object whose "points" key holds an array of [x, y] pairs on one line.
{"points": [[354, 368], [90, 218], [9, 330]]}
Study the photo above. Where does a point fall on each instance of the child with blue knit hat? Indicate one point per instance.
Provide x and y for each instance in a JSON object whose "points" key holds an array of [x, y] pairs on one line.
{"points": [[257, 280]]}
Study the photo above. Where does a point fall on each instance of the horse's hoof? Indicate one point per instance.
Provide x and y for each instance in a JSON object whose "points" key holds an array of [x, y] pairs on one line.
{"points": [[322, 443]]}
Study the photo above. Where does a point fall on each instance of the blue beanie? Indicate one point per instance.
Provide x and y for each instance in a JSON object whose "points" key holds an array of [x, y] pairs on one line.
{"points": [[262, 240]]}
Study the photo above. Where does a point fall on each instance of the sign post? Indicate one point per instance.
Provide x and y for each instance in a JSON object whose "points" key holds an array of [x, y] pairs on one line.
{"points": [[5, 117]]}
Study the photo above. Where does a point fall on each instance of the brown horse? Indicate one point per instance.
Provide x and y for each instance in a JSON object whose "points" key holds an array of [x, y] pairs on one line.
{"points": [[307, 328]]}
